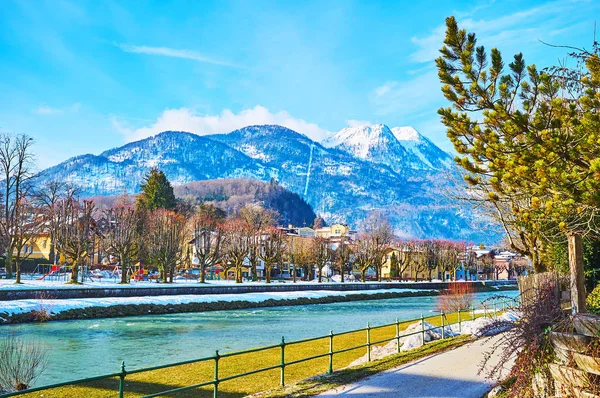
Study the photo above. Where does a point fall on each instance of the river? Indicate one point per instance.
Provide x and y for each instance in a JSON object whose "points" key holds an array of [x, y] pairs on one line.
{"points": [[83, 348]]}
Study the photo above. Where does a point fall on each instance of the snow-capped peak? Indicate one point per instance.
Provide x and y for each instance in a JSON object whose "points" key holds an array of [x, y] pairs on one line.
{"points": [[362, 140], [406, 133]]}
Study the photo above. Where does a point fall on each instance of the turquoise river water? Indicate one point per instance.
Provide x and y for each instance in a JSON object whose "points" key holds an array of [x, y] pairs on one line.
{"points": [[84, 348]]}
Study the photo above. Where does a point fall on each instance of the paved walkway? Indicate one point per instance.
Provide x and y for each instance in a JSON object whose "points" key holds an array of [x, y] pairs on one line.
{"points": [[448, 375]]}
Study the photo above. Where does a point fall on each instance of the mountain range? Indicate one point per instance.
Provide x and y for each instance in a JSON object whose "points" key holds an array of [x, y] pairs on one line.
{"points": [[356, 171]]}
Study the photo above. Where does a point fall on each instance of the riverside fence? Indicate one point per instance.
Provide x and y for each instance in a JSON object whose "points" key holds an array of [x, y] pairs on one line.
{"points": [[489, 308]]}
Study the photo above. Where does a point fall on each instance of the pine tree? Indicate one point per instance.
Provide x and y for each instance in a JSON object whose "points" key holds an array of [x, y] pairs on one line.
{"points": [[527, 138], [156, 192]]}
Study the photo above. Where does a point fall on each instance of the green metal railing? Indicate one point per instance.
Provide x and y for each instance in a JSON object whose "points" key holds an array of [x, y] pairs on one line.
{"points": [[490, 310]]}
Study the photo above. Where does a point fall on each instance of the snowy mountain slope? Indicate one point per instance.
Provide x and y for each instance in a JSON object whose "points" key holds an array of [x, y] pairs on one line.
{"points": [[396, 173], [327, 178], [366, 142], [422, 148], [182, 156], [403, 149]]}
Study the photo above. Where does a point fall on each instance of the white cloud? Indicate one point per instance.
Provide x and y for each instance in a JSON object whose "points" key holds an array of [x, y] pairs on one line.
{"points": [[48, 110], [174, 53], [185, 119]]}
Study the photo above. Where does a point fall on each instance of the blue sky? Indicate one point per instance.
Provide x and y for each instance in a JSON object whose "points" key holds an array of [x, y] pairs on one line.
{"points": [[85, 76]]}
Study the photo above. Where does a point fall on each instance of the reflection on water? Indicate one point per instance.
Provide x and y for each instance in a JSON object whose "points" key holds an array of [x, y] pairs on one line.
{"points": [[87, 347]]}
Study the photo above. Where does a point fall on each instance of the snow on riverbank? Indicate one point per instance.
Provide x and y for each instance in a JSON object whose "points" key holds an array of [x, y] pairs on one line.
{"points": [[55, 306], [409, 340]]}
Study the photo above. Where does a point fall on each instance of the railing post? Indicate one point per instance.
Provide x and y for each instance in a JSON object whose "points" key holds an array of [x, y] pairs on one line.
{"points": [[422, 330], [330, 351], [495, 310], [368, 342], [122, 380], [397, 335], [282, 361], [216, 381], [459, 324], [485, 311], [443, 332], [472, 313]]}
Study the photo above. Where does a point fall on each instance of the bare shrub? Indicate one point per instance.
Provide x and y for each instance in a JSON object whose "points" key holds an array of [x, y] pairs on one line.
{"points": [[21, 363], [458, 296], [44, 311], [527, 342]]}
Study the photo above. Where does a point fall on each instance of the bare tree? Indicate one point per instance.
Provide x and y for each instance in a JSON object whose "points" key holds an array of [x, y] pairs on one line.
{"points": [[16, 163], [272, 248], [257, 218], [122, 238], [322, 254], [21, 363], [343, 257], [47, 197], [379, 235], [452, 258], [27, 224], [406, 257], [76, 232], [301, 255], [208, 237], [362, 256], [165, 240], [237, 245], [431, 255]]}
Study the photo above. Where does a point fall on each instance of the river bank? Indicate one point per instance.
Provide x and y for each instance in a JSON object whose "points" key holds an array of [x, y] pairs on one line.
{"points": [[24, 311], [44, 309], [33, 289]]}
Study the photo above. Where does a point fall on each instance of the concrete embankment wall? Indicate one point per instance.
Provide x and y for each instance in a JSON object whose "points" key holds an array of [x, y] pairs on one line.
{"points": [[171, 290]]}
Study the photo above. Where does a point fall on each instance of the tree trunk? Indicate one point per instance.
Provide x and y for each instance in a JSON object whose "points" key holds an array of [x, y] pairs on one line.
{"points": [[293, 269], [8, 262], [202, 268], [319, 272], [75, 272], [577, 275], [238, 273], [52, 253], [268, 273], [124, 278], [362, 275], [18, 271], [253, 271], [342, 273], [538, 267]]}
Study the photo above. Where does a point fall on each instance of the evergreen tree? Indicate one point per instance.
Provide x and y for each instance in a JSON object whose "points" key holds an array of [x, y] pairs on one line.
{"points": [[156, 192], [527, 138]]}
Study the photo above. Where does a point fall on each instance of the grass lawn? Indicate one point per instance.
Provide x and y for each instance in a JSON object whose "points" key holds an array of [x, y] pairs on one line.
{"points": [[140, 384]]}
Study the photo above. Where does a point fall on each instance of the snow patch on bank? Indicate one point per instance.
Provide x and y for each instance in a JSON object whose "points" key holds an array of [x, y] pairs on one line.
{"points": [[55, 306], [412, 337]]}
